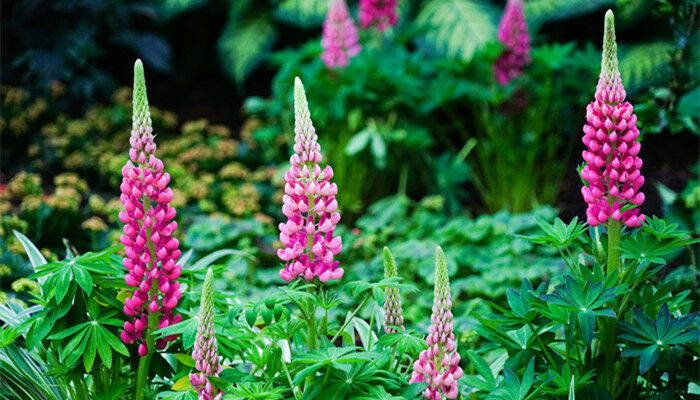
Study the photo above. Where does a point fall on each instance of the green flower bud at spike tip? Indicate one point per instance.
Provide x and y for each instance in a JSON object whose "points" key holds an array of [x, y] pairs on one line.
{"points": [[141, 112], [609, 65], [205, 352], [393, 314], [301, 110]]}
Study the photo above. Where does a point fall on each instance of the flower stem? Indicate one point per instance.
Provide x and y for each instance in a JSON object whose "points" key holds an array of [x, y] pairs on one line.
{"points": [[608, 332]]}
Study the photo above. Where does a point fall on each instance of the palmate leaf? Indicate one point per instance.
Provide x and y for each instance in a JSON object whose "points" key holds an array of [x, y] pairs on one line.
{"points": [[587, 301], [456, 28], [513, 388], [648, 338], [645, 248], [557, 234], [305, 13], [244, 44], [403, 342]]}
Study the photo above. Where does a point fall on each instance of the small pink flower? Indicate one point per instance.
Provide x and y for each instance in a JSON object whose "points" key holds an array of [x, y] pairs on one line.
{"points": [[340, 42], [512, 33], [612, 166], [151, 250], [379, 13], [309, 204]]}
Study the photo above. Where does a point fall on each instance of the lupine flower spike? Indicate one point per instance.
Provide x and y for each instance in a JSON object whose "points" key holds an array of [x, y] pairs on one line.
{"points": [[205, 352], [512, 33], [151, 250], [309, 205], [393, 314], [612, 167], [379, 13], [438, 365], [339, 42]]}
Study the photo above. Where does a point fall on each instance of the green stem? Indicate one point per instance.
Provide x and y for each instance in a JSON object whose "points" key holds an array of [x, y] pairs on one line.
{"points": [[347, 321], [142, 383], [613, 242], [311, 332], [544, 348], [609, 336], [289, 379]]}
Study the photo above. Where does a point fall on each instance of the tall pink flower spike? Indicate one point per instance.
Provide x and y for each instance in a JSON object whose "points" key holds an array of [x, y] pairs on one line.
{"points": [[512, 33], [309, 205], [438, 365], [612, 167], [339, 42], [379, 13], [151, 250]]}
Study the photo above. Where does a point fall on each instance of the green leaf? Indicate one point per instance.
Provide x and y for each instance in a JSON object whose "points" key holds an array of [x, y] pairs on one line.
{"points": [[414, 390], [82, 276], [649, 356], [244, 44], [35, 257], [456, 28], [358, 142], [483, 369], [90, 352], [587, 321], [63, 283], [185, 359], [251, 315]]}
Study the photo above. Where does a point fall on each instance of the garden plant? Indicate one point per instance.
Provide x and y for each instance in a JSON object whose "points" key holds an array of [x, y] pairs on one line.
{"points": [[306, 281]]}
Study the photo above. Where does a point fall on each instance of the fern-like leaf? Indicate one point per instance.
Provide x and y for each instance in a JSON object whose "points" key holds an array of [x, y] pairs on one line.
{"points": [[244, 44], [456, 28], [644, 64]]}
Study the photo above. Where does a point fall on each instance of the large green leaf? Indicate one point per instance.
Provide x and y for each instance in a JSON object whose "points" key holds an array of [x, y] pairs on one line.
{"points": [[305, 13], [244, 44], [456, 28]]}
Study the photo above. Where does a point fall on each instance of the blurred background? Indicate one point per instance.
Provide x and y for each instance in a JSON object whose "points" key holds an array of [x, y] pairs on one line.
{"points": [[427, 148]]}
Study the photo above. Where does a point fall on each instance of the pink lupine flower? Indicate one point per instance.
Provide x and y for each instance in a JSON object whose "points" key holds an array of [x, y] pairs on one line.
{"points": [[379, 13], [512, 32], [151, 250], [205, 352], [340, 42], [393, 313], [438, 365], [309, 205], [612, 171]]}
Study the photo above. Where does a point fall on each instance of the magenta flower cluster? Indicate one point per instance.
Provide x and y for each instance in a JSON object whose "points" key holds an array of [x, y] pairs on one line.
{"points": [[438, 365], [340, 41], [151, 250], [379, 13], [612, 171], [309, 204], [512, 33]]}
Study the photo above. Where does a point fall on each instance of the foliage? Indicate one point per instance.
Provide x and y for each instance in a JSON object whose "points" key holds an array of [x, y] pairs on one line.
{"points": [[71, 334], [550, 343]]}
